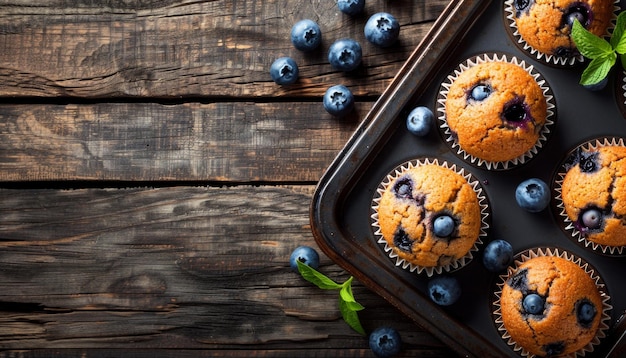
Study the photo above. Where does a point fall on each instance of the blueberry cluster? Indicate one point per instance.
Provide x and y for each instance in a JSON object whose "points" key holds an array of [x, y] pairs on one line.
{"points": [[382, 30]]}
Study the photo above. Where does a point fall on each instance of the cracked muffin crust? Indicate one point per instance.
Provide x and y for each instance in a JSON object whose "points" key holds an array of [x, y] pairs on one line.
{"points": [[550, 306], [593, 194], [495, 111], [429, 215], [545, 25]]}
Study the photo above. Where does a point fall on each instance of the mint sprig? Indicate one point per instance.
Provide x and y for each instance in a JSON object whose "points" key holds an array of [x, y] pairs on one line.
{"points": [[602, 53], [348, 306]]}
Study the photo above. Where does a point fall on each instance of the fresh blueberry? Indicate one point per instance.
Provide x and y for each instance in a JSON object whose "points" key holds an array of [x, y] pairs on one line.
{"points": [[443, 226], [480, 92], [532, 195], [306, 35], [338, 100], [345, 54], [420, 120], [385, 342], [382, 29], [305, 254], [498, 255], [284, 71], [585, 312], [533, 304], [444, 290], [351, 7]]}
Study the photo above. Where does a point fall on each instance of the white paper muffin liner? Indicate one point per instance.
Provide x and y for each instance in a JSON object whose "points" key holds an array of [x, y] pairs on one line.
{"points": [[453, 143], [547, 251], [567, 224], [509, 12], [453, 265]]}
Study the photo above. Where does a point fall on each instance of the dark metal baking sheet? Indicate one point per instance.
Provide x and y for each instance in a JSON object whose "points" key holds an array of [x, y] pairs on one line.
{"points": [[340, 210]]}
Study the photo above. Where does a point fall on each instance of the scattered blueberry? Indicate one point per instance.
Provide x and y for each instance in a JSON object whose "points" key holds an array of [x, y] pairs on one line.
{"points": [[443, 226], [345, 54], [532, 195], [533, 304], [497, 255], [284, 71], [305, 254], [351, 7], [480, 92], [338, 100], [306, 35], [585, 312], [382, 29], [385, 342], [444, 290], [420, 120]]}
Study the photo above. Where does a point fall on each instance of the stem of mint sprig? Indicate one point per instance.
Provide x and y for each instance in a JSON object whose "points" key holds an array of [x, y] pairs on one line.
{"points": [[348, 306], [602, 53]]}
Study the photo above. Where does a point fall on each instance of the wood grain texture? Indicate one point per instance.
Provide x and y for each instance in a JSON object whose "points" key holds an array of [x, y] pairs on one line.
{"points": [[188, 48], [154, 180], [233, 141], [178, 267]]}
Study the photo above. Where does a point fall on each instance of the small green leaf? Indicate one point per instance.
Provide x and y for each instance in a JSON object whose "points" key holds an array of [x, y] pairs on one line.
{"points": [[351, 317], [317, 278], [623, 61], [348, 297], [597, 70], [589, 45], [618, 40]]}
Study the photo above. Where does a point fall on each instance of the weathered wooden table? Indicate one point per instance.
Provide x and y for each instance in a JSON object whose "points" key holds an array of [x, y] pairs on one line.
{"points": [[155, 180]]}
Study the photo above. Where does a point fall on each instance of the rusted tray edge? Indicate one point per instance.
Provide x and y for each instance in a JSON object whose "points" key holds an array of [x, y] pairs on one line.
{"points": [[449, 29]]}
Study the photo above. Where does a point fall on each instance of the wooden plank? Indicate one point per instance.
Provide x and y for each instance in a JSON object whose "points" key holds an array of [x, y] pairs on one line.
{"points": [[177, 267], [188, 48], [233, 141]]}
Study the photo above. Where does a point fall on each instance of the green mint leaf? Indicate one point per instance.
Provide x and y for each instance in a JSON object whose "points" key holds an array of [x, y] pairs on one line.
{"points": [[351, 317], [348, 297], [317, 278], [623, 61], [618, 40], [589, 45], [597, 69]]}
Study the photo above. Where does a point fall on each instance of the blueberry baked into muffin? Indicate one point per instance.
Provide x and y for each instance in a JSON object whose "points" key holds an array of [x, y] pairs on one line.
{"points": [[495, 111], [593, 194], [544, 26], [429, 216], [552, 306]]}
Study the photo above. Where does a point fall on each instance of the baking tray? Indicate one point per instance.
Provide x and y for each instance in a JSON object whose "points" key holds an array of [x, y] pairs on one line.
{"points": [[340, 210]]}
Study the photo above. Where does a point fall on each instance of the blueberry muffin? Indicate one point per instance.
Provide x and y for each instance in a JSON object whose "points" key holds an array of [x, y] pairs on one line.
{"points": [[429, 216], [544, 26], [593, 194], [551, 306], [495, 111]]}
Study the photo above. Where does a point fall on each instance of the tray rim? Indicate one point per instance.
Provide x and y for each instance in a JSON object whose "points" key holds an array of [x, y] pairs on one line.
{"points": [[450, 27]]}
